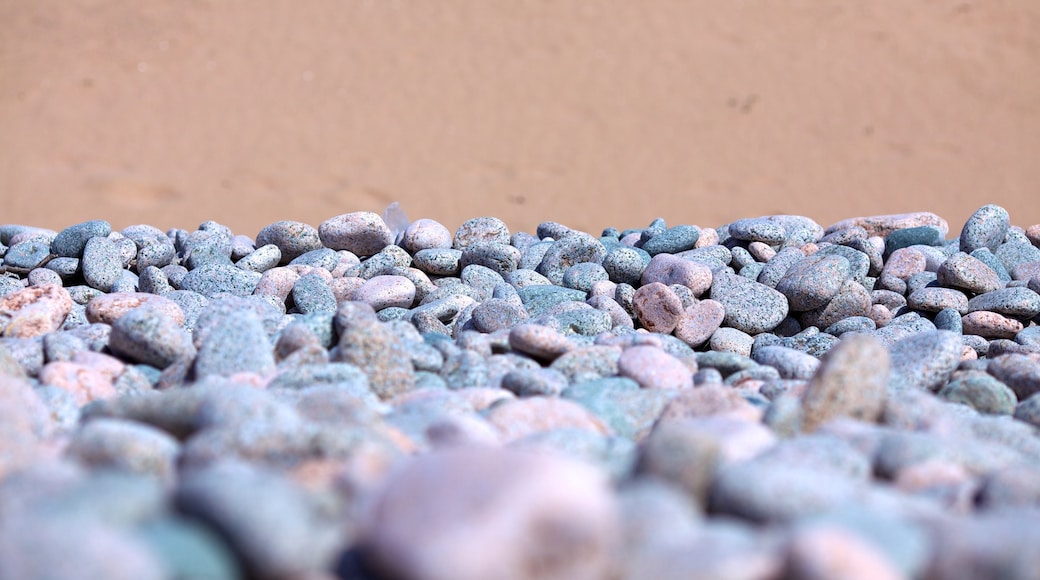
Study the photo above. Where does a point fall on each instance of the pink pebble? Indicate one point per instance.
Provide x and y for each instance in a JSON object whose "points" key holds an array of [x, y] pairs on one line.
{"points": [[699, 322], [990, 324], [882, 225], [708, 237], [107, 308], [654, 368], [668, 269], [657, 307], [344, 288], [905, 262], [424, 234], [385, 291], [277, 282], [34, 311], [521, 417], [84, 383]]}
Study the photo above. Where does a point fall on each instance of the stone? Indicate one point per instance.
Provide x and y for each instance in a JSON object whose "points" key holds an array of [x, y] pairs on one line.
{"points": [[1014, 302], [930, 299], [71, 241], [966, 272], [986, 228], [371, 346], [699, 322], [924, 360], [813, 281], [851, 381], [750, 307], [981, 392], [989, 325], [149, 336], [127, 446], [212, 279], [668, 269], [653, 368], [234, 342], [883, 225], [425, 234], [657, 307], [292, 238], [538, 516], [1020, 372], [108, 308], [791, 363], [482, 229], [34, 311], [362, 233], [673, 240]]}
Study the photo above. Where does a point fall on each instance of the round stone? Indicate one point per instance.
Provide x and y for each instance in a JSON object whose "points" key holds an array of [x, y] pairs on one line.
{"points": [[986, 228], [292, 238], [386, 291], [653, 368], [750, 307], [668, 269], [699, 322], [362, 233], [813, 281], [657, 307]]}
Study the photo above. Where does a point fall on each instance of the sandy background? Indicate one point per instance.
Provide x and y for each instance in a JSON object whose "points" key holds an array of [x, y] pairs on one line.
{"points": [[588, 113]]}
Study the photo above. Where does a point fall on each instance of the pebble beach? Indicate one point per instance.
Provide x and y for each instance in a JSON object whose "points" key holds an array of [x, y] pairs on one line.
{"points": [[378, 398]]}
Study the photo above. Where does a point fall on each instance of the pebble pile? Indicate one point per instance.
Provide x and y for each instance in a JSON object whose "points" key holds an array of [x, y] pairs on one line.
{"points": [[380, 399]]}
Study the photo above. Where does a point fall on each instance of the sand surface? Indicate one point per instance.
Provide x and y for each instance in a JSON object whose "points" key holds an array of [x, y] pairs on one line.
{"points": [[589, 113]]}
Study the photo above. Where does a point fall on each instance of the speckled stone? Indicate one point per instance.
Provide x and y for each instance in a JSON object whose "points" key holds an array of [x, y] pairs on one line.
{"points": [[673, 240], [423, 234], [312, 294], [588, 363], [699, 322], [625, 265], [986, 228], [990, 324], [937, 299], [231, 338], [813, 281], [108, 308], [1015, 302], [361, 233], [851, 300], [919, 236], [851, 381], [750, 307], [778, 266], [882, 225], [211, 280], [375, 349], [149, 336], [1021, 372], [71, 241], [791, 363], [292, 238], [261, 259], [852, 324], [439, 261], [500, 258], [516, 418], [28, 254], [34, 311], [963, 271], [482, 229], [101, 263], [574, 248], [758, 230], [653, 368], [668, 269], [924, 360], [539, 341], [657, 307], [539, 299], [583, 276], [1012, 253], [981, 392], [125, 446], [1026, 271], [497, 314], [727, 339]]}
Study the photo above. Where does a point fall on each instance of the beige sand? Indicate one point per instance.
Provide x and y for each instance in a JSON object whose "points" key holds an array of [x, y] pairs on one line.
{"points": [[589, 113]]}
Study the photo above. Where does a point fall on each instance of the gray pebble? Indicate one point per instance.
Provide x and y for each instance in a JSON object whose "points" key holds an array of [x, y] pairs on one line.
{"points": [[101, 264], [152, 280], [28, 254], [948, 319], [987, 257], [575, 248], [625, 265], [791, 363], [219, 279], [232, 343], [924, 360], [71, 241], [1011, 254], [981, 392], [311, 294], [292, 239], [1014, 302], [673, 240], [261, 259], [750, 307], [439, 261], [985, 228], [814, 281], [148, 336], [501, 258], [758, 230]]}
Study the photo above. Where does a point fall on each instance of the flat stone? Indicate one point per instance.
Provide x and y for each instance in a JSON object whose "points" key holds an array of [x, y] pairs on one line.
{"points": [[758, 230], [673, 240], [883, 225], [1015, 302], [990, 325], [213, 279], [936, 299], [791, 363]]}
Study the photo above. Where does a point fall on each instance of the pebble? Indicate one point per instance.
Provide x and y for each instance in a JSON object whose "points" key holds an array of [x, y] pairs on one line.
{"points": [[931, 299], [574, 248], [986, 228], [213, 279], [657, 307], [261, 259], [813, 281], [425, 234], [653, 368], [990, 325], [539, 517], [234, 342], [668, 269], [851, 381], [28, 254], [1014, 302], [883, 225], [101, 263], [482, 229], [758, 230], [1018, 371], [108, 308], [152, 337], [750, 307], [732, 340], [125, 446], [375, 349], [699, 322], [791, 363], [361, 233], [291, 238], [672, 241], [924, 360], [981, 392], [966, 272]]}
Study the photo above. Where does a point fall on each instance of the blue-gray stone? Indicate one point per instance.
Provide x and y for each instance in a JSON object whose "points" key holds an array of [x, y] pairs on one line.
{"points": [[673, 240], [575, 248], [625, 264], [498, 257], [814, 281], [1016, 302], [987, 257], [234, 342], [28, 254], [924, 360], [101, 264], [312, 295], [922, 235], [583, 276], [439, 261], [70, 242], [750, 307], [758, 230], [1013, 253], [948, 319], [217, 279], [538, 299], [778, 265], [292, 238], [986, 228], [326, 258]]}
